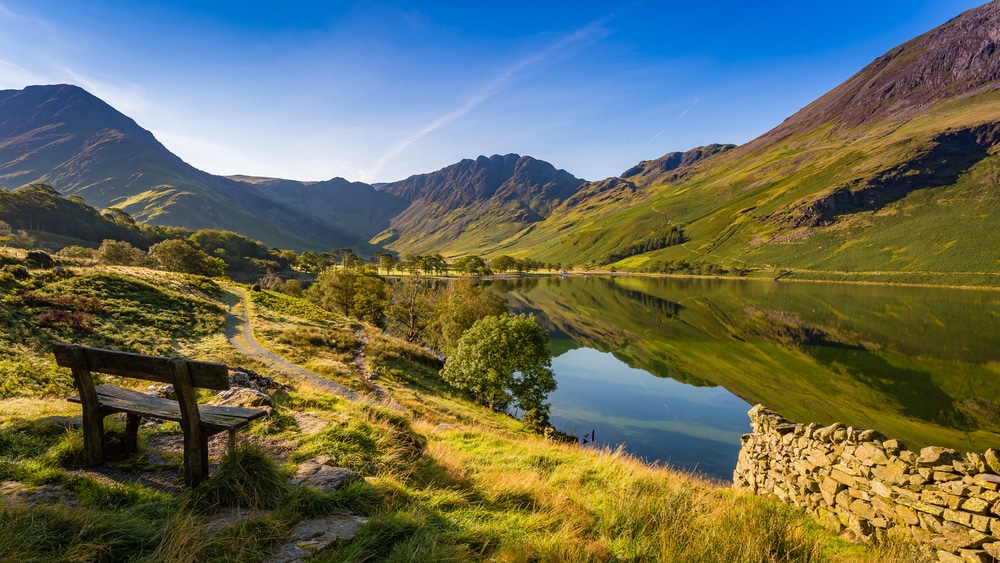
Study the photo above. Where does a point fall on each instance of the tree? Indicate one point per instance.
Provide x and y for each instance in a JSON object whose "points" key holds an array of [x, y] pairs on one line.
{"points": [[357, 292], [464, 303], [369, 295], [119, 253], [503, 264], [5, 232], [411, 306], [176, 255], [472, 265], [386, 262], [333, 290], [504, 360]]}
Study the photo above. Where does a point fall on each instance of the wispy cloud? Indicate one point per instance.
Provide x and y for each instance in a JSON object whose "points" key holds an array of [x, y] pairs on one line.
{"points": [[594, 31], [685, 112]]}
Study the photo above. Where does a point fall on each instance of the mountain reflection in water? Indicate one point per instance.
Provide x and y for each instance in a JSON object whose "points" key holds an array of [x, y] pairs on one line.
{"points": [[669, 367]]}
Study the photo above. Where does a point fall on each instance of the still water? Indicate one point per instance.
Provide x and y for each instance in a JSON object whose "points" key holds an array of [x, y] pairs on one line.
{"points": [[667, 368]]}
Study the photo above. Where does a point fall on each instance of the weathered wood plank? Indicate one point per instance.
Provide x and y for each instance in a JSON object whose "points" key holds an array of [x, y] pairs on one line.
{"points": [[120, 399], [93, 418], [205, 375], [195, 459]]}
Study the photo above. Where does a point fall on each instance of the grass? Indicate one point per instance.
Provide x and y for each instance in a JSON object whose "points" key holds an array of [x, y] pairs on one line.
{"points": [[444, 480]]}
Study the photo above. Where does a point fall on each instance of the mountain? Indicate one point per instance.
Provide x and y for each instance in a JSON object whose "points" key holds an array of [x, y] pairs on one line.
{"points": [[894, 172], [475, 204], [63, 136]]}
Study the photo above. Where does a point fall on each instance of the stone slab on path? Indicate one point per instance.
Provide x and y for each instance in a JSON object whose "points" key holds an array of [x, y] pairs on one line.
{"points": [[315, 473], [313, 536]]}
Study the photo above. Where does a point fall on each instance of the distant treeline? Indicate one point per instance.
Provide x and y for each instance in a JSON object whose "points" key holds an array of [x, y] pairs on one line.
{"points": [[660, 239]]}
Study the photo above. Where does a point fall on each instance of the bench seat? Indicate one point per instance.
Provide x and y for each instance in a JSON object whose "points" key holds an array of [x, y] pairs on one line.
{"points": [[113, 399]]}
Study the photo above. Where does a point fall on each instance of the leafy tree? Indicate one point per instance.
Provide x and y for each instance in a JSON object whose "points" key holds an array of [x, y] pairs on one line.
{"points": [[464, 303], [333, 290], [411, 307], [5, 232], [119, 253], [503, 264], [291, 287], [176, 255], [369, 295], [472, 265], [505, 361], [385, 261], [357, 292]]}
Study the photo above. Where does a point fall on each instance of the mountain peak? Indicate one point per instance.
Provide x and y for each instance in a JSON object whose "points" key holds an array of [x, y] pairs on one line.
{"points": [[958, 59]]}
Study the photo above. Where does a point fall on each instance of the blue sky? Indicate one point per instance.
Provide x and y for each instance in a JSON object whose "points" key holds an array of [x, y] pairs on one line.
{"points": [[378, 91]]}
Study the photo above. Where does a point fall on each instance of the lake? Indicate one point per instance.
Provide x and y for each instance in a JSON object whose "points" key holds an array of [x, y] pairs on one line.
{"points": [[668, 367]]}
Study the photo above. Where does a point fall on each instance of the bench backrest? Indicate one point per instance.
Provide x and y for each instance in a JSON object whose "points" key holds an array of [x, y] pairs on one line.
{"points": [[206, 375]]}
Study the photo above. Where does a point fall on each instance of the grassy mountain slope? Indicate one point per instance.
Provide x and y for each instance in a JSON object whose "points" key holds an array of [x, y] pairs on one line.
{"points": [[895, 170], [352, 207], [472, 206], [63, 136]]}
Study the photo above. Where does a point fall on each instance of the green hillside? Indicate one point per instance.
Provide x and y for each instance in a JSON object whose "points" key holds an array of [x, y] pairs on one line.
{"points": [[442, 478], [892, 176]]}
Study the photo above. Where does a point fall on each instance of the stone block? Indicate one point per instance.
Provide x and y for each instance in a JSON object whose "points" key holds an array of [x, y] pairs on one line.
{"points": [[879, 488], [993, 549], [829, 488], [957, 516], [949, 557], [869, 451], [981, 523], [992, 459], [941, 476], [840, 473], [894, 471], [975, 556], [955, 488], [907, 515], [893, 447], [870, 436], [863, 510], [906, 493], [936, 455], [988, 496], [962, 537], [933, 496], [843, 499], [884, 507], [930, 523], [987, 481], [825, 434], [819, 458], [975, 505]]}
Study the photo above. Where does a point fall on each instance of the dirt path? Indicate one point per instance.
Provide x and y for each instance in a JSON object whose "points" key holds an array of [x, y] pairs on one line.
{"points": [[241, 337]]}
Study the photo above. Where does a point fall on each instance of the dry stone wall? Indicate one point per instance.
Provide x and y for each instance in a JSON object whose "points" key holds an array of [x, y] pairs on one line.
{"points": [[860, 484]]}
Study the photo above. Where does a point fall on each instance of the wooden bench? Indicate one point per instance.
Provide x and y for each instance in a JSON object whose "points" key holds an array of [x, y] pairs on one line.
{"points": [[199, 422]]}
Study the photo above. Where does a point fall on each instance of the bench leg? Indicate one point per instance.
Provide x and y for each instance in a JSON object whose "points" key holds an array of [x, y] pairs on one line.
{"points": [[131, 444], [232, 440], [204, 456], [93, 438]]}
